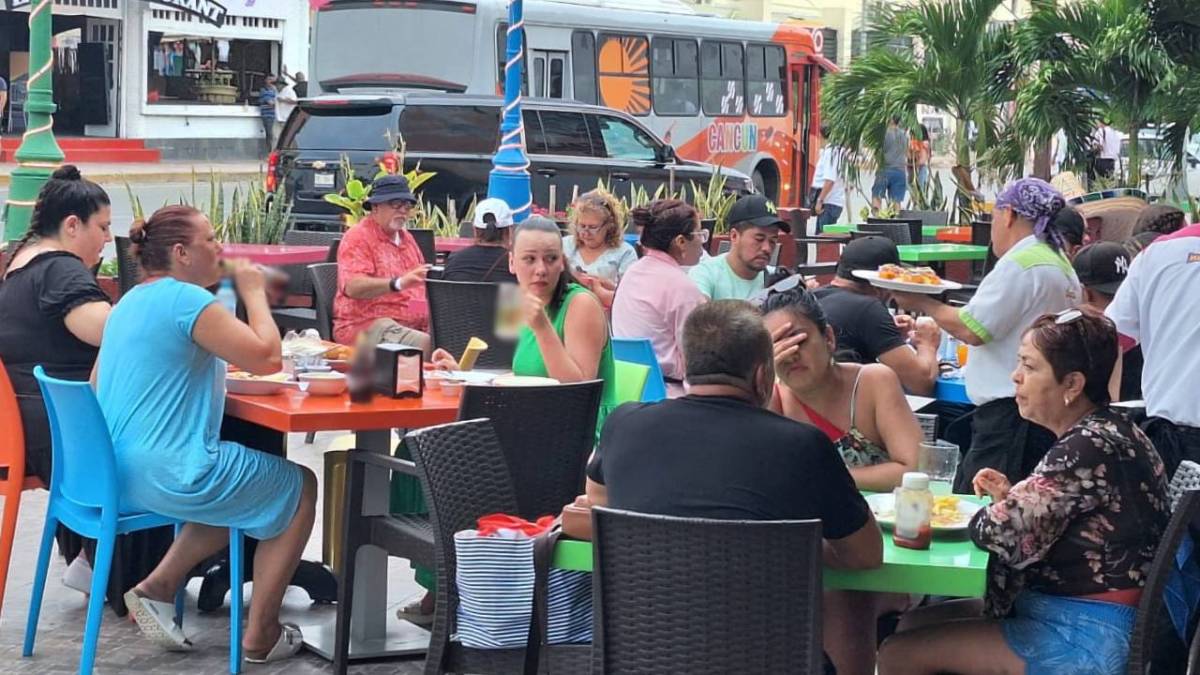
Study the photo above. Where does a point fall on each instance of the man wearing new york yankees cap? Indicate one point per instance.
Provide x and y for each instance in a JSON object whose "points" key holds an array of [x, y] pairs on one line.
{"points": [[739, 274], [1102, 268]]}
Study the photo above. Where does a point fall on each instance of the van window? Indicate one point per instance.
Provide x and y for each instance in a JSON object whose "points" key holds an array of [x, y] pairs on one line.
{"points": [[583, 66], [722, 78], [340, 128], [451, 128], [676, 65], [565, 133], [766, 77], [623, 140], [624, 66]]}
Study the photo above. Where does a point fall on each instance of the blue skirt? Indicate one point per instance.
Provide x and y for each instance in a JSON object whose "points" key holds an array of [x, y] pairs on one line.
{"points": [[241, 487], [1058, 635]]}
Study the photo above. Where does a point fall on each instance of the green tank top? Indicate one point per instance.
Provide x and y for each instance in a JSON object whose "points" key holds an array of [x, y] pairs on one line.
{"points": [[527, 359]]}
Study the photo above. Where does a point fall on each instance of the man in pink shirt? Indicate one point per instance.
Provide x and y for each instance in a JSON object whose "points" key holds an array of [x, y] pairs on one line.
{"points": [[656, 295]]}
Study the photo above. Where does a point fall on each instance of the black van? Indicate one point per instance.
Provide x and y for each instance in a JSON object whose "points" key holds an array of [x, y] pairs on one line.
{"points": [[569, 145]]}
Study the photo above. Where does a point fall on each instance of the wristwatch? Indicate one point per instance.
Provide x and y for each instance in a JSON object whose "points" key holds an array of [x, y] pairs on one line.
{"points": [[397, 283]]}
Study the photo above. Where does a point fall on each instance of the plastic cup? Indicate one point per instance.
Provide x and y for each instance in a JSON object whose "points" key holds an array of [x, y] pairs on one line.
{"points": [[940, 461]]}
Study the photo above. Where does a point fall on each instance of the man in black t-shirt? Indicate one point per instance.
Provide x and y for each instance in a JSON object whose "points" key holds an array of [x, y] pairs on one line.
{"points": [[487, 259], [866, 331], [718, 453]]}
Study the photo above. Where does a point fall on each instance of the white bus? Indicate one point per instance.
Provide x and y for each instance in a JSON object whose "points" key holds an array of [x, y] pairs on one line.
{"points": [[740, 94]]}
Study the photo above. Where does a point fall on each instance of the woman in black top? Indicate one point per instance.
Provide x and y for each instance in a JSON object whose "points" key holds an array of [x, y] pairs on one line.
{"points": [[52, 313], [487, 258]]}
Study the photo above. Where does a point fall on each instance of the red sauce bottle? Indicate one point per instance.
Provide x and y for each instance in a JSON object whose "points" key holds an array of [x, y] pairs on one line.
{"points": [[914, 512]]}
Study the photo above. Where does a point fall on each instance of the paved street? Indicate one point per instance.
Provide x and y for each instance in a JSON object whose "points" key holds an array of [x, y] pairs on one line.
{"points": [[122, 649]]}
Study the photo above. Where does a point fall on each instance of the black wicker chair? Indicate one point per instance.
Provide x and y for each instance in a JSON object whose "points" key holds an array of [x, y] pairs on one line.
{"points": [[913, 226], [299, 281], [897, 232], [463, 476], [460, 310], [129, 272], [758, 611], [323, 277], [425, 242], [1150, 610], [546, 434]]}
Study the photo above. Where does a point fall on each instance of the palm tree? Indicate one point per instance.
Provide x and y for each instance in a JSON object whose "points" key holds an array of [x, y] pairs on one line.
{"points": [[959, 55]]}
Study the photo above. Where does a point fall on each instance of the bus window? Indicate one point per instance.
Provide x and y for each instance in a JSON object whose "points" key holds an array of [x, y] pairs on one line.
{"points": [[766, 77], [502, 58], [622, 140], [583, 66], [675, 65], [565, 133], [722, 78], [625, 73]]}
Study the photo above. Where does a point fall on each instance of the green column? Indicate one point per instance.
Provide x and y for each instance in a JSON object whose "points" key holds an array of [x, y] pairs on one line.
{"points": [[39, 154]]}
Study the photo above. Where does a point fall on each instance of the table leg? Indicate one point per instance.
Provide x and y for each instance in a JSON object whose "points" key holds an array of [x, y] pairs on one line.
{"points": [[373, 631]]}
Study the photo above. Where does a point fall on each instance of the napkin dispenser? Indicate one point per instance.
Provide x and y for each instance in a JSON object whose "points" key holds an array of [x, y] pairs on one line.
{"points": [[399, 371]]}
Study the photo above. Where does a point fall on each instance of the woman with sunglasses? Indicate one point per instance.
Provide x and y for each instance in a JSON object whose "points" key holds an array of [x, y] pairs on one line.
{"points": [[1072, 544], [658, 295], [1032, 277], [596, 252]]}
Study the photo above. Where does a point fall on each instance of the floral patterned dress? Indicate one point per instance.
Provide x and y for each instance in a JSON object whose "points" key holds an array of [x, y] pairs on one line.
{"points": [[1087, 520]]}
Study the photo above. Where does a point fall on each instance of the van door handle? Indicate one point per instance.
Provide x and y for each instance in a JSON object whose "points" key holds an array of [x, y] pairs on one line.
{"points": [[620, 176], [547, 173]]}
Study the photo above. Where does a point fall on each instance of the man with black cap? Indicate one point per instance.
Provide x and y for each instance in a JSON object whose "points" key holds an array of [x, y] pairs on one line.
{"points": [[739, 274], [1102, 268], [866, 331], [381, 273]]}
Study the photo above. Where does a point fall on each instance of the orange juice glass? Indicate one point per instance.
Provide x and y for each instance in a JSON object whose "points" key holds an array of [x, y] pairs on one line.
{"points": [[962, 354]]}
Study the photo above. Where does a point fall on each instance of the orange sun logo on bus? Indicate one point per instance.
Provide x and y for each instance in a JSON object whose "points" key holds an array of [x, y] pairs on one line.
{"points": [[625, 74]]}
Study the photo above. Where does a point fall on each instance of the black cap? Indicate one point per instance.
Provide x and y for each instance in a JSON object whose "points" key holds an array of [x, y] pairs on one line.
{"points": [[390, 187], [756, 211], [1102, 266], [867, 253]]}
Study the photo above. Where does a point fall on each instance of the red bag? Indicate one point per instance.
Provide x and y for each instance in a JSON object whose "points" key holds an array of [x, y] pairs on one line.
{"points": [[491, 523]]}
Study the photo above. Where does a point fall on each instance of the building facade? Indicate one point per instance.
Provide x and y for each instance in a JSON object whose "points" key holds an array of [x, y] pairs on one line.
{"points": [[181, 75]]}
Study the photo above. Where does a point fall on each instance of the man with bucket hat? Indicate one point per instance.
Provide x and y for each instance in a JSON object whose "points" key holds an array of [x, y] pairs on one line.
{"points": [[381, 273]]}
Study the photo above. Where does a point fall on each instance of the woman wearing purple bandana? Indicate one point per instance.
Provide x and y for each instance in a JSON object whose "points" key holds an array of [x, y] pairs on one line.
{"points": [[1032, 277]]}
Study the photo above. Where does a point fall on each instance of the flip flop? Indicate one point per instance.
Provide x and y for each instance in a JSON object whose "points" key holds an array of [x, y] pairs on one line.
{"points": [[156, 619], [290, 641]]}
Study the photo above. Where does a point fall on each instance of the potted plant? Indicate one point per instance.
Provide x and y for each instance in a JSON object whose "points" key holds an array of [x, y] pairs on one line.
{"points": [[356, 191], [928, 202], [713, 202], [106, 277]]}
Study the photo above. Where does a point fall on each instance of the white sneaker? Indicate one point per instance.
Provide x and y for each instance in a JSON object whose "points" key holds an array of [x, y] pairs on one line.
{"points": [[79, 575]]}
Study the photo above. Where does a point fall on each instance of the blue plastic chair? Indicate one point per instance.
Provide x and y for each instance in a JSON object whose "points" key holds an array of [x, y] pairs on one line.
{"points": [[639, 350], [85, 496]]}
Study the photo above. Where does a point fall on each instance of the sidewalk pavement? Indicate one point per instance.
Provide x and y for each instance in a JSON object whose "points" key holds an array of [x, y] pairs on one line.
{"points": [[156, 172]]}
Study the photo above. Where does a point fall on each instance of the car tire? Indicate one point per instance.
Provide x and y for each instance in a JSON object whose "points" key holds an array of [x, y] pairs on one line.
{"points": [[766, 181]]}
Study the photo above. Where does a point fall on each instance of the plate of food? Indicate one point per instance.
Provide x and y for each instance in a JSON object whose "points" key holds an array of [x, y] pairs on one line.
{"points": [[241, 382], [951, 513], [907, 279]]}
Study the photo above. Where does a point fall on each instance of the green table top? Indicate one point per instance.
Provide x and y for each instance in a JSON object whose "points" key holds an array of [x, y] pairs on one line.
{"points": [[941, 252], [847, 228], [955, 568]]}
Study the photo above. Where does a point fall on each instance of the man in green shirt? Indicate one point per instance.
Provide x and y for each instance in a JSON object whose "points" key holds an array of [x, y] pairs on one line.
{"points": [[753, 235]]}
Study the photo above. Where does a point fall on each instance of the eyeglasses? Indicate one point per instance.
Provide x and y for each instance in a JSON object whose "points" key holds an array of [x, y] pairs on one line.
{"points": [[400, 204], [701, 233], [1067, 316], [590, 228], [760, 298]]}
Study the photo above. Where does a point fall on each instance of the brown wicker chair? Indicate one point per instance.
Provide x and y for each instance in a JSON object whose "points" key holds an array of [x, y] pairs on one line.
{"points": [[758, 611]]}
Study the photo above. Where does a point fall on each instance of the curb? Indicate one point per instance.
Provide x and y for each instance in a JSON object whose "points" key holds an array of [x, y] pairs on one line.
{"points": [[156, 178]]}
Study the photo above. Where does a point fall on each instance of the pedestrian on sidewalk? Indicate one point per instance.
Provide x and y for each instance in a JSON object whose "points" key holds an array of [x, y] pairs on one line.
{"points": [[285, 103], [266, 109]]}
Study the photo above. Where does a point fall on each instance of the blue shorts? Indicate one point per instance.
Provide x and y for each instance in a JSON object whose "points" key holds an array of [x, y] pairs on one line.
{"points": [[1057, 635], [891, 183]]}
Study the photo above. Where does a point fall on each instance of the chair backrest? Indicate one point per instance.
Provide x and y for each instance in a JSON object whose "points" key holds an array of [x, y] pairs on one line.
{"points": [[129, 272], [1142, 644], [334, 245], [897, 232], [83, 465], [463, 477], [981, 235], [640, 350], [425, 242], [323, 277], [912, 225], [724, 246], [631, 380], [299, 282], [461, 310], [757, 611], [12, 439], [546, 434]]}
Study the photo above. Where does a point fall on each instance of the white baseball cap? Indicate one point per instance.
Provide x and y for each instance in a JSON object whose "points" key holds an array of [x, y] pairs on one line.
{"points": [[497, 208]]}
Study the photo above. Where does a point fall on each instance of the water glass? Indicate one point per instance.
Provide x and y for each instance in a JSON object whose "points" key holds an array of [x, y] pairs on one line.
{"points": [[939, 460]]}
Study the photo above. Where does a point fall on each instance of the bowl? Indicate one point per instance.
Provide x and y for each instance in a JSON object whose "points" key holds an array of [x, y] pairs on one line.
{"points": [[324, 384], [452, 387]]}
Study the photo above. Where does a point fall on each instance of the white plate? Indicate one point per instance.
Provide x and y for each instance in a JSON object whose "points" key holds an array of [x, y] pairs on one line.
{"points": [[908, 287], [237, 385], [466, 376], [883, 505]]}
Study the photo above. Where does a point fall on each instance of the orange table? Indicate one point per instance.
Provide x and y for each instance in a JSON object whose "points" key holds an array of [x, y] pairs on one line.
{"points": [[955, 235], [373, 631]]}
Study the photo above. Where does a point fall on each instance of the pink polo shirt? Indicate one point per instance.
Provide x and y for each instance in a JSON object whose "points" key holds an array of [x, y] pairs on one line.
{"points": [[653, 300]]}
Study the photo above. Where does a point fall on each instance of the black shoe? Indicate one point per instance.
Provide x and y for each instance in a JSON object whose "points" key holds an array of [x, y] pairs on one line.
{"points": [[213, 589], [318, 580]]}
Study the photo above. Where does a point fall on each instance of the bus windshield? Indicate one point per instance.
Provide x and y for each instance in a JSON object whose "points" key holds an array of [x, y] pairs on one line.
{"points": [[428, 46]]}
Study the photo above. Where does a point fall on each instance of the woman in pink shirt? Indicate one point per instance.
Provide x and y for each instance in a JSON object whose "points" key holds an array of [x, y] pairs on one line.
{"points": [[656, 295]]}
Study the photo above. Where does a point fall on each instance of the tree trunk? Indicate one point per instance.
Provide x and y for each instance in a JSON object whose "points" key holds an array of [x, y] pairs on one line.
{"points": [[1135, 157], [962, 142], [1041, 160]]}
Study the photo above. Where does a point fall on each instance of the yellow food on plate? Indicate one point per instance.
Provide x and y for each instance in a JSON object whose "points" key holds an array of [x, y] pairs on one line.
{"points": [[946, 513], [339, 353], [909, 275], [475, 347], [890, 271], [243, 375]]}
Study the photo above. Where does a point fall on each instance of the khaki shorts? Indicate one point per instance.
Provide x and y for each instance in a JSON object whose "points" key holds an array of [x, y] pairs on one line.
{"points": [[387, 331]]}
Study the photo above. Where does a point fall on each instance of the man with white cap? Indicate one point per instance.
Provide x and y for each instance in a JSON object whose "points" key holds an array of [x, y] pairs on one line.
{"points": [[487, 258]]}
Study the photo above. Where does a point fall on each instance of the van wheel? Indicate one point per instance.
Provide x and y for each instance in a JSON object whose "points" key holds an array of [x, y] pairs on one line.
{"points": [[766, 180]]}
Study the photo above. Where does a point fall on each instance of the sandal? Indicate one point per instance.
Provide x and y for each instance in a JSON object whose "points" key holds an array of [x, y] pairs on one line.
{"points": [[156, 619], [290, 641], [413, 614]]}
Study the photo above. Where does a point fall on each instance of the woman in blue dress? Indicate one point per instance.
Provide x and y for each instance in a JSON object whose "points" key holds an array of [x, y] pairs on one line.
{"points": [[162, 387]]}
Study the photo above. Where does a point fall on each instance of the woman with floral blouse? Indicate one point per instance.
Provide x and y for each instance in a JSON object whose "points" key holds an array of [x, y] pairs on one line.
{"points": [[1072, 544]]}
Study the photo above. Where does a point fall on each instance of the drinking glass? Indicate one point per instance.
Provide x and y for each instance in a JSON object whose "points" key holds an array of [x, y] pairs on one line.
{"points": [[939, 460], [508, 311]]}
